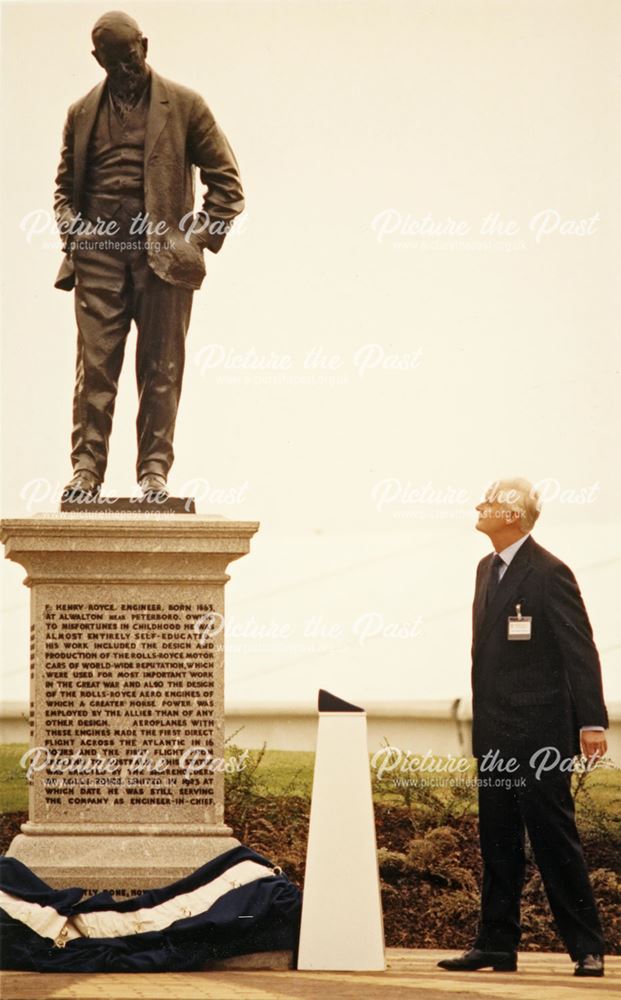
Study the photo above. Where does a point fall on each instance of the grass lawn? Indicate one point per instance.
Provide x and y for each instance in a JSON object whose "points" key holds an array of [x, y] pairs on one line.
{"points": [[278, 772], [283, 772], [13, 785]]}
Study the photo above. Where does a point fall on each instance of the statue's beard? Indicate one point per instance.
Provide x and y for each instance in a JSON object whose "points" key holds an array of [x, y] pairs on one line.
{"points": [[129, 82]]}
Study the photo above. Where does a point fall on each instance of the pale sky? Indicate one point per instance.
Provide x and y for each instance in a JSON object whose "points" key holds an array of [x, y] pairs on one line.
{"points": [[447, 360]]}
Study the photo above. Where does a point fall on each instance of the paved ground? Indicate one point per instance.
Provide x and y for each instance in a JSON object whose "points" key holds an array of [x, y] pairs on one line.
{"points": [[410, 974]]}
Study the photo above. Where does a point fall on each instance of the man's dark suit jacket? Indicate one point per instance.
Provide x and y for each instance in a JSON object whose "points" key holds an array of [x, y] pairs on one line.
{"points": [[538, 692], [181, 134]]}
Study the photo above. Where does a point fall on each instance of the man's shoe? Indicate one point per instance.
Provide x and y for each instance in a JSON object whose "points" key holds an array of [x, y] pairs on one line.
{"points": [[84, 485], [153, 487], [590, 965], [470, 961]]}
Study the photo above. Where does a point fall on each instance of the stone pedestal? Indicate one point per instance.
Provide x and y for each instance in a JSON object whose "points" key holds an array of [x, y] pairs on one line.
{"points": [[127, 700]]}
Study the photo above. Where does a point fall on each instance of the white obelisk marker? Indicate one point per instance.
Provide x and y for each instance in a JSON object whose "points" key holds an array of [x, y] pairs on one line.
{"points": [[342, 927]]}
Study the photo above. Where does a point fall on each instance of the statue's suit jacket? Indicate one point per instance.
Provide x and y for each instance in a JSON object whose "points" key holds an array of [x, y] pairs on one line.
{"points": [[541, 691], [181, 134]]}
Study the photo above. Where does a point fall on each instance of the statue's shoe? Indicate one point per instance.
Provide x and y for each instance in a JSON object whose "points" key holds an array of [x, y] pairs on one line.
{"points": [[83, 485], [590, 965], [471, 961], [153, 487]]}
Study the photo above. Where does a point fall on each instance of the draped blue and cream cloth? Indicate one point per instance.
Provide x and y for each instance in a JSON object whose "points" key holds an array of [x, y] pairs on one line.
{"points": [[236, 904]]}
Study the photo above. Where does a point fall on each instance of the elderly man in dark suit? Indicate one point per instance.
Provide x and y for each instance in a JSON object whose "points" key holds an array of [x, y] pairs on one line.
{"points": [[537, 702], [124, 205]]}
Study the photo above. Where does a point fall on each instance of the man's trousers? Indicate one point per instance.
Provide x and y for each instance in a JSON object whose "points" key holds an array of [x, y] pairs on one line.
{"points": [[545, 809], [113, 288]]}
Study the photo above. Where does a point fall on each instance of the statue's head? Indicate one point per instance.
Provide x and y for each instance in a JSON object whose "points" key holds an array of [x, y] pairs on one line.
{"points": [[120, 48]]}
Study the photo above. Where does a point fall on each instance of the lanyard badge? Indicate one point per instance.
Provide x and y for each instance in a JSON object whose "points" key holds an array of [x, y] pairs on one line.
{"points": [[519, 628]]}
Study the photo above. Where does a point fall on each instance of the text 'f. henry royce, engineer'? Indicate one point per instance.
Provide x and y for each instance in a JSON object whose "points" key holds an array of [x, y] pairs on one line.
{"points": [[130, 147]]}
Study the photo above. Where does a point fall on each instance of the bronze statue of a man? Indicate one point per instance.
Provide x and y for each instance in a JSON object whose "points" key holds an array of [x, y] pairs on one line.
{"points": [[124, 204]]}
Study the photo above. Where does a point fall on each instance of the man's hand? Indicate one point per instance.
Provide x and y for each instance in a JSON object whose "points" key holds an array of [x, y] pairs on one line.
{"points": [[593, 743], [206, 234]]}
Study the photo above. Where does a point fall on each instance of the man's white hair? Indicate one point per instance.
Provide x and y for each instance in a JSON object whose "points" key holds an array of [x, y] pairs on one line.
{"points": [[517, 495]]}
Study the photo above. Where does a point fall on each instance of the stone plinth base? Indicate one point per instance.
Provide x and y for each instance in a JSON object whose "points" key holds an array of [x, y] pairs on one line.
{"points": [[121, 864], [130, 505], [126, 762]]}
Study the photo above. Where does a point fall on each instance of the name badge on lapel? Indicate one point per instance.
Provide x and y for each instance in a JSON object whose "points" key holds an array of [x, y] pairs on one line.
{"points": [[519, 628]]}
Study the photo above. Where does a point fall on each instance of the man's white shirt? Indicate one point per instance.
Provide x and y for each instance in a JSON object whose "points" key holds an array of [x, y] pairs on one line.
{"points": [[507, 555]]}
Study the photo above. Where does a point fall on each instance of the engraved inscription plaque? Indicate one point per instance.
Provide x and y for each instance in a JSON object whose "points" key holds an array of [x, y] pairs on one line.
{"points": [[130, 712]]}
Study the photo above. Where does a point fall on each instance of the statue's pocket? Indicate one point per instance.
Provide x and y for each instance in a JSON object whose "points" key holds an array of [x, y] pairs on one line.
{"points": [[187, 257]]}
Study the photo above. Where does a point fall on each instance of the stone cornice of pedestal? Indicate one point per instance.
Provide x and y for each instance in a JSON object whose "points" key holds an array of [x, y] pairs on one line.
{"points": [[127, 829], [121, 548]]}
